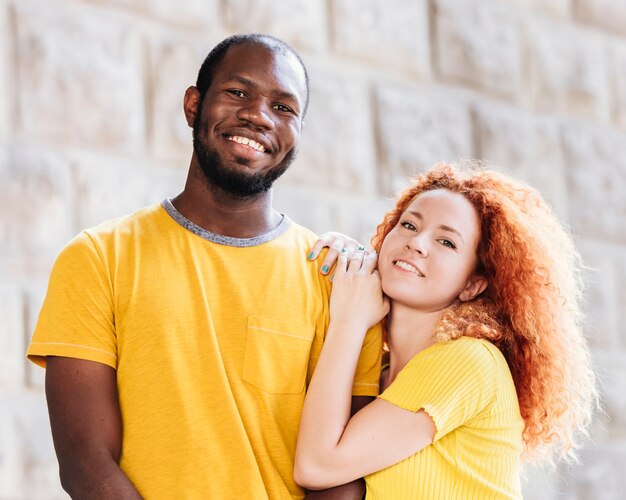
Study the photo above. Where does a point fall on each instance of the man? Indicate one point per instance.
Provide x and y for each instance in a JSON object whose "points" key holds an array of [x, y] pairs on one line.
{"points": [[179, 339]]}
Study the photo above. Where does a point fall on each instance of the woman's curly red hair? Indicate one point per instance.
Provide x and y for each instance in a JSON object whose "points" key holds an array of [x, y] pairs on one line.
{"points": [[531, 307]]}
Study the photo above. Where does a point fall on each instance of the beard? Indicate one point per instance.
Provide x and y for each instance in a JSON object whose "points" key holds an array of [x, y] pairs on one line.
{"points": [[229, 180]]}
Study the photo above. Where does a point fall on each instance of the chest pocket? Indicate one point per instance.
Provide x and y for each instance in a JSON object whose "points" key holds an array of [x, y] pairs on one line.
{"points": [[277, 355]]}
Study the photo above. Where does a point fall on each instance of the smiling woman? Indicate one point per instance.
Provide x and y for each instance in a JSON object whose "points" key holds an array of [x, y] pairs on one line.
{"points": [[479, 287]]}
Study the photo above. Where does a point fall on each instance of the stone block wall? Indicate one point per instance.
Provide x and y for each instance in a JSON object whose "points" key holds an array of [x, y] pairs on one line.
{"points": [[91, 127]]}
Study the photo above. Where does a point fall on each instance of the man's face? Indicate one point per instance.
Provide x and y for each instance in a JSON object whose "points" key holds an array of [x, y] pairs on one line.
{"points": [[247, 129]]}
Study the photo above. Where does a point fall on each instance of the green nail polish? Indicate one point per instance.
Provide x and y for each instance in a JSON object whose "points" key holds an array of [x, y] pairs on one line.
{"points": [[311, 255], [343, 250], [324, 269], [361, 248]]}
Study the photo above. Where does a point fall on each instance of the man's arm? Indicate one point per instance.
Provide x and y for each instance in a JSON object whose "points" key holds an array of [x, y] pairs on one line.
{"points": [[87, 428], [354, 490]]}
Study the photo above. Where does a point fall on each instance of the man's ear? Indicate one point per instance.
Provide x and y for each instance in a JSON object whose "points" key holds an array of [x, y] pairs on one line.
{"points": [[191, 103], [476, 285]]}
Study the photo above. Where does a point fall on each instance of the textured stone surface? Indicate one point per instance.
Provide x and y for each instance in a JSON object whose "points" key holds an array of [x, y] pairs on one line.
{"points": [[609, 14], [108, 189], [526, 146], [611, 371], [417, 128], [300, 23], [90, 97], [600, 475], [568, 69], [36, 197], [538, 483], [596, 172], [195, 13], [337, 146], [5, 78], [28, 466], [618, 66], [174, 67], [12, 338], [394, 33], [479, 43], [620, 298], [600, 295], [555, 8]]}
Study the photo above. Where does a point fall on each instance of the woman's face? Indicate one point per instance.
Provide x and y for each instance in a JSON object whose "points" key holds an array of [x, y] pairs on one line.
{"points": [[427, 260]]}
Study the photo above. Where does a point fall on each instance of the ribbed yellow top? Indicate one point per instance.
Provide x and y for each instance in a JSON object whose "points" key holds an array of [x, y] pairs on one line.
{"points": [[466, 387]]}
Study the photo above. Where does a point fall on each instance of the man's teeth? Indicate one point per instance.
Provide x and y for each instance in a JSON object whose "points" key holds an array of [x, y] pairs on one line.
{"points": [[408, 267], [247, 142]]}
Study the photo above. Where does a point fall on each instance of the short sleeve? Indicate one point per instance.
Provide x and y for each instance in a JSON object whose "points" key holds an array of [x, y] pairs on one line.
{"points": [[77, 316], [367, 375], [453, 382]]}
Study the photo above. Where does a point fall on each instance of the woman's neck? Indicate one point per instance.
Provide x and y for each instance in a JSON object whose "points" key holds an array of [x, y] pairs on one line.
{"points": [[409, 332]]}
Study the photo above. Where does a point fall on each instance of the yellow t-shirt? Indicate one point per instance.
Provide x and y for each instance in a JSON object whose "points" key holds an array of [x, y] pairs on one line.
{"points": [[466, 387], [214, 340]]}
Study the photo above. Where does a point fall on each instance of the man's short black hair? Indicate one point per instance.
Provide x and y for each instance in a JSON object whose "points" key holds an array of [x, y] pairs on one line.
{"points": [[212, 61]]}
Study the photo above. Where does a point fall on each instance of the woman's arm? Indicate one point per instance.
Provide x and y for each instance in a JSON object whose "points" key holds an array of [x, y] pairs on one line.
{"points": [[332, 448]]}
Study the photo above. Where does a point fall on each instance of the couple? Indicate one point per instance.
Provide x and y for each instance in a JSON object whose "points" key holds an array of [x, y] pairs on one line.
{"points": [[185, 343]]}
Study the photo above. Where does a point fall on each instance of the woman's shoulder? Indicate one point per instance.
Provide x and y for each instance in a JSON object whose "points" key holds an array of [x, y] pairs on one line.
{"points": [[464, 351]]}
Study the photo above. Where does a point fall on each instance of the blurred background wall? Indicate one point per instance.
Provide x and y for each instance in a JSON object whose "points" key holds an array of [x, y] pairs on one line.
{"points": [[91, 127]]}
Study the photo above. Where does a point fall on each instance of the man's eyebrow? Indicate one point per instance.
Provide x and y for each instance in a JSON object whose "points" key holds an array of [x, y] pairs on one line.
{"points": [[442, 226], [246, 81]]}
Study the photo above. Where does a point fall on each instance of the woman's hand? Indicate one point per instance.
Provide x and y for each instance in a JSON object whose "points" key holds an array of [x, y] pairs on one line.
{"points": [[357, 298], [336, 242]]}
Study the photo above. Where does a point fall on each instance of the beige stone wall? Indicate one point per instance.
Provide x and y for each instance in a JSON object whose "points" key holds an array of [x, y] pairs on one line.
{"points": [[91, 127]]}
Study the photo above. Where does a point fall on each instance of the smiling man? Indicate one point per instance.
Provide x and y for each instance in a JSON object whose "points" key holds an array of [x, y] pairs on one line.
{"points": [[179, 340]]}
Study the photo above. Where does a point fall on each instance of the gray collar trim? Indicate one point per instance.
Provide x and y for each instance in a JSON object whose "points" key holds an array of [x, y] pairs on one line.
{"points": [[284, 224]]}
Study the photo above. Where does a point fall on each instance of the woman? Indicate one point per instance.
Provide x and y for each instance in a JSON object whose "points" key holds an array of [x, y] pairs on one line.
{"points": [[480, 287]]}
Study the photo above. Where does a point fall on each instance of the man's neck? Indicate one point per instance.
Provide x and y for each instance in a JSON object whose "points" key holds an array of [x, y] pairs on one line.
{"points": [[224, 213]]}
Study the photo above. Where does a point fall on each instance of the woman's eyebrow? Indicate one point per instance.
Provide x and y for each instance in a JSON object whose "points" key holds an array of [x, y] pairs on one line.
{"points": [[451, 230], [418, 215]]}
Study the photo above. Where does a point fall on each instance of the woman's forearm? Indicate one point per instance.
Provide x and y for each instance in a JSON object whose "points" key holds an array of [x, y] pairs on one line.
{"points": [[326, 408]]}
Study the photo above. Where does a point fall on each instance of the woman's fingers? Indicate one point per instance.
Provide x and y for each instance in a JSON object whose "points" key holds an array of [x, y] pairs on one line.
{"points": [[369, 263], [336, 242], [342, 264], [356, 262]]}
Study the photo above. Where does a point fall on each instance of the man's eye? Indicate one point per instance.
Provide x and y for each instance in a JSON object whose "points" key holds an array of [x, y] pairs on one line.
{"points": [[282, 108], [238, 93], [447, 243], [408, 225]]}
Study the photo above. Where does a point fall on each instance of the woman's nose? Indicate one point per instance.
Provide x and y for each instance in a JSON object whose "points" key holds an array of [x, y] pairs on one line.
{"points": [[418, 244]]}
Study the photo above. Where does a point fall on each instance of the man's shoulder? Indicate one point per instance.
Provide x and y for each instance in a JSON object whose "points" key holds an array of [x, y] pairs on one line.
{"points": [[114, 234], [301, 233], [129, 223]]}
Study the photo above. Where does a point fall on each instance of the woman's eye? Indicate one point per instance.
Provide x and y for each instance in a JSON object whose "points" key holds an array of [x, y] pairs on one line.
{"points": [[447, 243], [408, 225]]}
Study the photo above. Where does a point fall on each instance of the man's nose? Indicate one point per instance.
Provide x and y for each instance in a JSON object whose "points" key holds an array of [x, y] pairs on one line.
{"points": [[257, 112]]}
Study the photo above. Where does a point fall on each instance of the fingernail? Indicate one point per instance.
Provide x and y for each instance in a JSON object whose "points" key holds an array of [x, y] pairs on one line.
{"points": [[343, 250], [311, 255], [324, 269], [361, 248]]}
